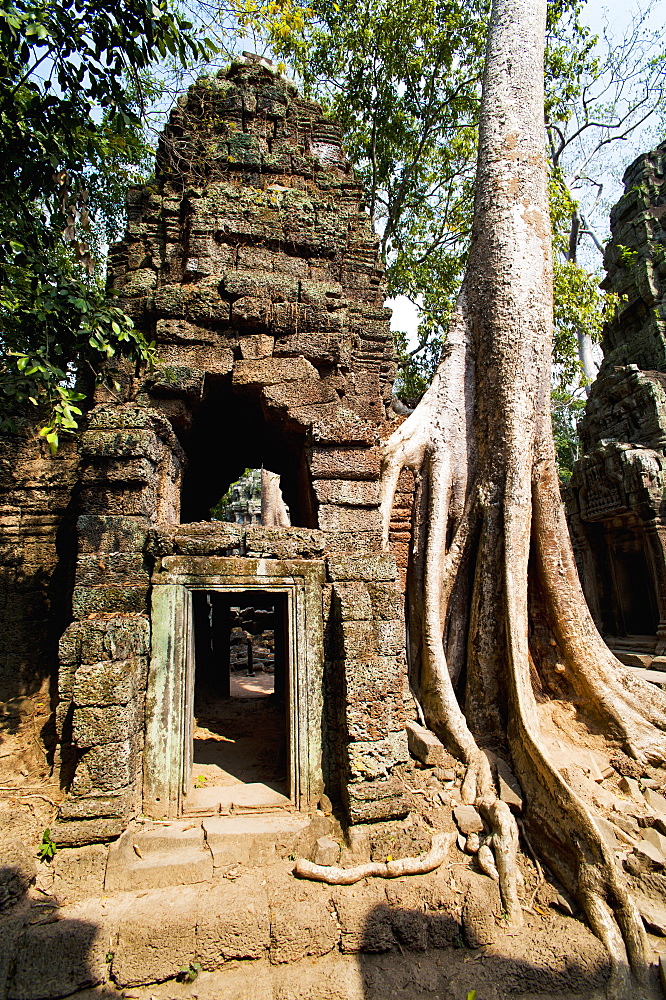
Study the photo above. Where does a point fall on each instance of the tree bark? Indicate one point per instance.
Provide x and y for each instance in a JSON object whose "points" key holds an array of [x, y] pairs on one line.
{"points": [[493, 593]]}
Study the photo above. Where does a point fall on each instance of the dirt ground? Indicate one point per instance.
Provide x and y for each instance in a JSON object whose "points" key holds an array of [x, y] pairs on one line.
{"points": [[29, 790], [241, 739], [554, 955]]}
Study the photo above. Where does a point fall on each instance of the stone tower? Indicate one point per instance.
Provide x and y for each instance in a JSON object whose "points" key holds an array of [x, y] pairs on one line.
{"points": [[616, 499], [252, 264]]}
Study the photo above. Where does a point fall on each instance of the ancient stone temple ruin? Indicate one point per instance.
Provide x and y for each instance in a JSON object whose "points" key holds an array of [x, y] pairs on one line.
{"points": [[252, 264], [615, 502]]}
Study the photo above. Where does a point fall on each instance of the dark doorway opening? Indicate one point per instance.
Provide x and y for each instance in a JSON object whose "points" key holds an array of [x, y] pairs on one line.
{"points": [[637, 606], [240, 729]]}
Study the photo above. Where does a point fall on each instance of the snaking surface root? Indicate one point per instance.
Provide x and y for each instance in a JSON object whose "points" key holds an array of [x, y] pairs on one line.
{"points": [[331, 874]]}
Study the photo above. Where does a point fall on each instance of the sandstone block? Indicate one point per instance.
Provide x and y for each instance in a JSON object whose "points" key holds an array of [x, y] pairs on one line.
{"points": [[100, 569], [177, 331], [387, 601], [481, 906], [139, 282], [346, 428], [114, 639], [330, 977], [366, 568], [56, 959], [121, 443], [332, 517], [468, 820], [113, 682], [299, 393], [365, 918], [126, 599], [408, 916], [258, 345], [302, 924], [154, 858], [98, 725], [232, 922], [607, 831], [17, 871], [424, 745], [369, 759], [109, 806], [156, 936], [391, 637], [74, 833], [347, 463], [369, 722], [509, 789], [327, 851], [653, 913], [347, 492], [353, 601], [200, 357], [79, 872], [271, 371], [111, 766], [12, 926], [370, 801], [254, 840], [647, 857], [657, 839], [358, 639], [656, 801]]}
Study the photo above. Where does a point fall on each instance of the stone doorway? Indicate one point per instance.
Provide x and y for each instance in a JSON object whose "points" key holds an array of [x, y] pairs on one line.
{"points": [[204, 591], [636, 610], [240, 728]]}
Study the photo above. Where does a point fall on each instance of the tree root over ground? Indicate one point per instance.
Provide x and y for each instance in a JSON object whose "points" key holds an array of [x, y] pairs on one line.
{"points": [[332, 875]]}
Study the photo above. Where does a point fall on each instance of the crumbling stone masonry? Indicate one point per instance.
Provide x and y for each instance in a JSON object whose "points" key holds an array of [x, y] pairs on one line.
{"points": [[615, 502], [252, 264]]}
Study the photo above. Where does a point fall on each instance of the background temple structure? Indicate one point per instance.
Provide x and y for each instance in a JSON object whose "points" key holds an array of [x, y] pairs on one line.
{"points": [[252, 263], [616, 499]]}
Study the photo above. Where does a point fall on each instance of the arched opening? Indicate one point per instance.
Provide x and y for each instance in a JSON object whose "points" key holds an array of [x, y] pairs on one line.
{"points": [[229, 433]]}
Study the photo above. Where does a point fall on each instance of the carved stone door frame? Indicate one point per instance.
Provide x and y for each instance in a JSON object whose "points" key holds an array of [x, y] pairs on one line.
{"points": [[170, 690]]}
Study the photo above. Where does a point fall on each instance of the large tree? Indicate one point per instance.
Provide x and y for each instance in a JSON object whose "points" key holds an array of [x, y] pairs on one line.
{"points": [[500, 632]]}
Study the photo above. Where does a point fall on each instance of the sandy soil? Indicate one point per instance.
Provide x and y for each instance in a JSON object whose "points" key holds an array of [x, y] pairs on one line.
{"points": [[241, 740]]}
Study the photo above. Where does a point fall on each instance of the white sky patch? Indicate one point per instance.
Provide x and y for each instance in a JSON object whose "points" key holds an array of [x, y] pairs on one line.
{"points": [[405, 315]]}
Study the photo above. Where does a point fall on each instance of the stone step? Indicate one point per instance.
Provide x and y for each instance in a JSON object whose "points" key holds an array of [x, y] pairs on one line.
{"points": [[258, 840], [640, 661], [251, 798], [654, 676], [158, 855]]}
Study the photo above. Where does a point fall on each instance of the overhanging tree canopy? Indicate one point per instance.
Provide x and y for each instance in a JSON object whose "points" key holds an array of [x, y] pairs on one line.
{"points": [[70, 103]]}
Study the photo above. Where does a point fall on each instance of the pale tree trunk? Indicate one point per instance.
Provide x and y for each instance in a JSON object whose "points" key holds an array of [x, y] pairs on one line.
{"points": [[493, 593]]}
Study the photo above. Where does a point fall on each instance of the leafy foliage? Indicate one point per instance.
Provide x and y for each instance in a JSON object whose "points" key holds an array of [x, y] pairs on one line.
{"points": [[48, 847], [73, 79], [403, 79]]}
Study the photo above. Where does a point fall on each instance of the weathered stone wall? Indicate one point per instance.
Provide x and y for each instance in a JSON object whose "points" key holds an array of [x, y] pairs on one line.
{"points": [[129, 477], [615, 501], [252, 263], [255, 268], [36, 558], [636, 266]]}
